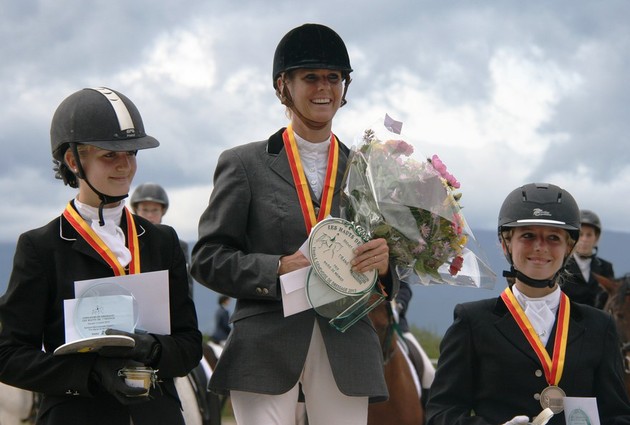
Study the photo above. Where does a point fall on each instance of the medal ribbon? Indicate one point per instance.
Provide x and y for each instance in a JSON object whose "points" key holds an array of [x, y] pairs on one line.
{"points": [[301, 185], [90, 236], [553, 367]]}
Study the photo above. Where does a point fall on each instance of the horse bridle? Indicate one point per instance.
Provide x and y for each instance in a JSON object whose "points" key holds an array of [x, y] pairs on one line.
{"points": [[391, 330]]}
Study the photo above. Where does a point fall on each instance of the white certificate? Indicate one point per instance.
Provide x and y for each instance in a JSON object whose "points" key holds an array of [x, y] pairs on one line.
{"points": [[581, 411], [150, 296]]}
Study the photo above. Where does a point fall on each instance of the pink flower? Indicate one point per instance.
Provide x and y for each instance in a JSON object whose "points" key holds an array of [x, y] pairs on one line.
{"points": [[457, 224], [399, 147], [441, 168], [421, 246]]}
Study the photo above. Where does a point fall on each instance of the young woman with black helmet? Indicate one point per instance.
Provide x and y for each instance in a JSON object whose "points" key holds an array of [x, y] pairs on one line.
{"points": [[505, 360], [251, 233], [95, 136], [581, 285]]}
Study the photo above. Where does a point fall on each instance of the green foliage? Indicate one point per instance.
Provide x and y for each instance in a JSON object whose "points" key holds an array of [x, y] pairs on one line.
{"points": [[429, 340]]}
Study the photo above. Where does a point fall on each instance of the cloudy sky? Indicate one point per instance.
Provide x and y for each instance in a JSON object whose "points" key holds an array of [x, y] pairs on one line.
{"points": [[506, 92]]}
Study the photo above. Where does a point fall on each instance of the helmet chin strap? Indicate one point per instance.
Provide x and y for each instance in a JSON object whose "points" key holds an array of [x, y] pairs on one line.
{"points": [[536, 283], [105, 199], [591, 255]]}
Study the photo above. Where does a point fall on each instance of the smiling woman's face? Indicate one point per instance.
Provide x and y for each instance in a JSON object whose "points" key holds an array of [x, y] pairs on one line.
{"points": [[109, 172], [539, 251], [316, 93]]}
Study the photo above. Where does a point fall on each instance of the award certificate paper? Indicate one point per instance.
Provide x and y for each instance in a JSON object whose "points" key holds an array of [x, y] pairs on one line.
{"points": [[149, 293], [581, 411]]}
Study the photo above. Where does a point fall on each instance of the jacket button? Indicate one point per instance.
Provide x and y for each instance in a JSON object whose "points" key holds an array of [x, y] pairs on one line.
{"points": [[259, 290], [538, 373], [265, 291], [537, 396]]}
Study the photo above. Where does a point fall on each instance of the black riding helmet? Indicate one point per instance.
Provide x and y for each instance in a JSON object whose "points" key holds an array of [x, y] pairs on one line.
{"points": [[149, 192], [311, 46], [100, 117], [589, 218], [538, 204]]}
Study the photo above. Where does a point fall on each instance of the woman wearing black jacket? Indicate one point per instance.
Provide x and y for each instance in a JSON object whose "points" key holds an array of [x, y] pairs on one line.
{"points": [[95, 136]]}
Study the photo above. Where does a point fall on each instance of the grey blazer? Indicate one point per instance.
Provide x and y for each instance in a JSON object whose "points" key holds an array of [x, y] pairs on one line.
{"points": [[253, 218]]}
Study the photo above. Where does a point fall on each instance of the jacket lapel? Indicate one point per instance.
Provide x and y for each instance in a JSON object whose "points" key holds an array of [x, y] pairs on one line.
{"points": [[68, 233], [279, 163], [508, 327]]}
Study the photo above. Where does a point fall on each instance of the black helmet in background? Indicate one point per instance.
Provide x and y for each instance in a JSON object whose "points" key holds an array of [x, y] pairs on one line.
{"points": [[149, 192], [589, 218], [310, 46], [538, 204]]}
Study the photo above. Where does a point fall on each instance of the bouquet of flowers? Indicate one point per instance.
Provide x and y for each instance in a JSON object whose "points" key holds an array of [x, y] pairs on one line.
{"points": [[414, 205]]}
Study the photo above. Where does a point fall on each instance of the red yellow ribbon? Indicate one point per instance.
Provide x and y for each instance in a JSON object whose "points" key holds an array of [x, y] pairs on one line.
{"points": [[90, 236], [301, 184], [553, 367]]}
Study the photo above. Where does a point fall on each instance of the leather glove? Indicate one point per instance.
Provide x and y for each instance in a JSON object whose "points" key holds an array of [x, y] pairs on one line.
{"points": [[105, 374], [518, 420], [146, 349]]}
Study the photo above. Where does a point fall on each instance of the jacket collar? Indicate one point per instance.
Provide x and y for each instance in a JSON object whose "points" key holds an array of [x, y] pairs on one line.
{"points": [[275, 144], [279, 162], [508, 327], [68, 233]]}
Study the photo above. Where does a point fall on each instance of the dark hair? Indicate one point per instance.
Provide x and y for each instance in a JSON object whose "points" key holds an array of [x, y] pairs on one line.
{"points": [[223, 298]]}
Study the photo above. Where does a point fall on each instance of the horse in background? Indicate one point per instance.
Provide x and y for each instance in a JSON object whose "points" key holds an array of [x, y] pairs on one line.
{"points": [[618, 305], [16, 406], [404, 405]]}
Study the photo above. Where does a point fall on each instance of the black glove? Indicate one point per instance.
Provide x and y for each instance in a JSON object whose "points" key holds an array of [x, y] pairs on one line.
{"points": [[105, 374], [146, 349]]}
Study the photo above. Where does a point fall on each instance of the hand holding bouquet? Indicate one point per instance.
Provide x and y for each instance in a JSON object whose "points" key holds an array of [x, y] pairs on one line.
{"points": [[414, 205]]}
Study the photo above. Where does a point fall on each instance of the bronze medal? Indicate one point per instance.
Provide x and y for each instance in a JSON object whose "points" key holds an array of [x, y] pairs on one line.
{"points": [[552, 397]]}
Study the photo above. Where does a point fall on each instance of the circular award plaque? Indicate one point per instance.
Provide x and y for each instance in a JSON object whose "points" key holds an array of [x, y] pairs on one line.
{"points": [[331, 245], [326, 301], [99, 308], [579, 417], [553, 398]]}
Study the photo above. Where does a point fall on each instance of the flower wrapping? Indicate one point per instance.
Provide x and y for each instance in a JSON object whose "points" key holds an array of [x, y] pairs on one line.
{"points": [[414, 205]]}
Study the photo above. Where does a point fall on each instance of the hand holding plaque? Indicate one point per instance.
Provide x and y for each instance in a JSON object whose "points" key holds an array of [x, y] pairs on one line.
{"points": [[333, 289]]}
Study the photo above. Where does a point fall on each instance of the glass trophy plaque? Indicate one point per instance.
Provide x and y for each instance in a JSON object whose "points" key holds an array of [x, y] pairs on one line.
{"points": [[105, 306], [333, 289]]}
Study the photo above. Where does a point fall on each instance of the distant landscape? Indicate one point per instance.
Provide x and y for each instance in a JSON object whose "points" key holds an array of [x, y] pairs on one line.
{"points": [[431, 307]]}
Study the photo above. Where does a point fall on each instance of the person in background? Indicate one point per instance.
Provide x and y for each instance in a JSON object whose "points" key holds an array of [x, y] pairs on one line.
{"points": [[150, 201], [267, 196], [95, 136], [580, 284], [415, 351], [222, 326], [504, 360]]}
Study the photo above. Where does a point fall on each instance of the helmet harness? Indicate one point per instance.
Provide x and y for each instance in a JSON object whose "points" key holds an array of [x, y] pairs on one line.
{"points": [[310, 46], [100, 117], [538, 204]]}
